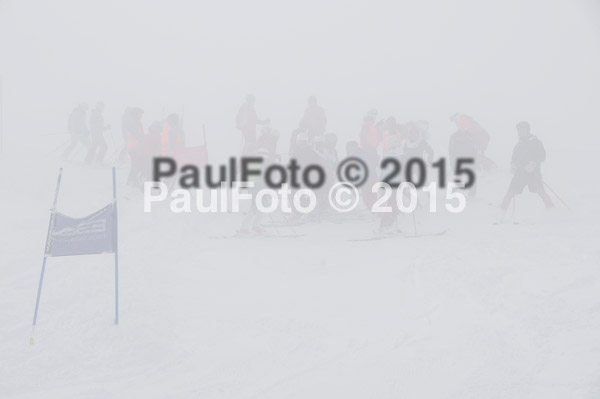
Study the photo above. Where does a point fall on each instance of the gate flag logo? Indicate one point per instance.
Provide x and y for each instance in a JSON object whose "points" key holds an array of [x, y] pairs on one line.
{"points": [[93, 234]]}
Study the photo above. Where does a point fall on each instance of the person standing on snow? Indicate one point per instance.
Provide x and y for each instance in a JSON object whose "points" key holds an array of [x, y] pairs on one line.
{"points": [[97, 149], [527, 156], [416, 145], [78, 129], [246, 121], [172, 138], [314, 120], [463, 144]]}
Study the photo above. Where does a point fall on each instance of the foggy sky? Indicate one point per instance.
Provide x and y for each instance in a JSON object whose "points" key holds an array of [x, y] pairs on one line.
{"points": [[500, 62]]}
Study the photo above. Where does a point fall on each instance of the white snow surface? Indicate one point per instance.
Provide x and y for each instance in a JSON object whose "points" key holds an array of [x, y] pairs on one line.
{"points": [[483, 311]]}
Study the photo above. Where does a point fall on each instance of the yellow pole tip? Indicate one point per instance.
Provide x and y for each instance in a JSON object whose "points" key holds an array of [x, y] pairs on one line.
{"points": [[30, 341]]}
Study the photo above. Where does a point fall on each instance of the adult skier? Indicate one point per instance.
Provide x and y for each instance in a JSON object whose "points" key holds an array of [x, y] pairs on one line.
{"points": [[172, 139], [97, 149], [246, 121], [527, 156], [416, 145], [78, 129], [463, 144], [314, 120]]}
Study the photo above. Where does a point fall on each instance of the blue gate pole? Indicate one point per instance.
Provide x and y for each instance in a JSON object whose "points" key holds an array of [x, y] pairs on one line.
{"points": [[114, 176], [39, 291]]}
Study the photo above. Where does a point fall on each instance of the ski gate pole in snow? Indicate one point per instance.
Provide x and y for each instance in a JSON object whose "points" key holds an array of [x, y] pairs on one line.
{"points": [[96, 233], [39, 291], [114, 177]]}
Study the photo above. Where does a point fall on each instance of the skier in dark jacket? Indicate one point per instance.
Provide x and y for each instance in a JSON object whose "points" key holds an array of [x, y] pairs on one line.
{"points": [[97, 149], [314, 120], [527, 156], [246, 121], [78, 129]]}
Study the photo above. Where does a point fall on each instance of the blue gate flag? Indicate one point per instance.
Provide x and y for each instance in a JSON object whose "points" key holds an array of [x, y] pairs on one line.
{"points": [[93, 234]]}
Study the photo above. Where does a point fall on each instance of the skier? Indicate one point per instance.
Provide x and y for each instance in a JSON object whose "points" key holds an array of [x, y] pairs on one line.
{"points": [[252, 221], [370, 139], [463, 144], [78, 129], [148, 147], [314, 121], [480, 138], [388, 224], [172, 139], [97, 149], [391, 131], [246, 121], [527, 156], [416, 145]]}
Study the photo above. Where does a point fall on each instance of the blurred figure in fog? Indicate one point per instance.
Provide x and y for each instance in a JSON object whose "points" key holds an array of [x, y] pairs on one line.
{"points": [[246, 121], [172, 139], [388, 223], [370, 139], [463, 144], [370, 136], [330, 148], [78, 129], [268, 139], [314, 121], [416, 145], [527, 156], [97, 149], [391, 130], [252, 221], [480, 140], [134, 132], [148, 148]]}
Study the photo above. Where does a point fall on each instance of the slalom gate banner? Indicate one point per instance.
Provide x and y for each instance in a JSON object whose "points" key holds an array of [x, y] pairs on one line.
{"points": [[93, 234]]}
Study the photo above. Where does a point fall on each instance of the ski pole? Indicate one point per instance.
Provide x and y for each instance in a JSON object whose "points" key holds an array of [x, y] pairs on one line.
{"points": [[514, 206], [414, 222], [557, 196]]}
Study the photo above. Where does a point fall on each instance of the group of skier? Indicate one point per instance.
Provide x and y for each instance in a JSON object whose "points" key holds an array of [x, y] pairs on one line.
{"points": [[309, 143]]}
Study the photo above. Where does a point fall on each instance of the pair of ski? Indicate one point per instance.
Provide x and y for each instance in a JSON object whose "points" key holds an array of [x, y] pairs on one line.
{"points": [[257, 236], [398, 235]]}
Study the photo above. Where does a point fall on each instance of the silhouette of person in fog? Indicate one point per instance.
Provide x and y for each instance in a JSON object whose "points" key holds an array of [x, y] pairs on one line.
{"points": [[370, 138], [266, 146], [416, 145], [97, 149], [463, 144], [314, 121], [527, 156], [78, 129], [246, 121], [480, 140], [172, 138]]}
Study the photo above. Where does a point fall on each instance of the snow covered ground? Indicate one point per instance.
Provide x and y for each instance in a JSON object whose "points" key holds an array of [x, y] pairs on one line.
{"points": [[483, 311]]}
